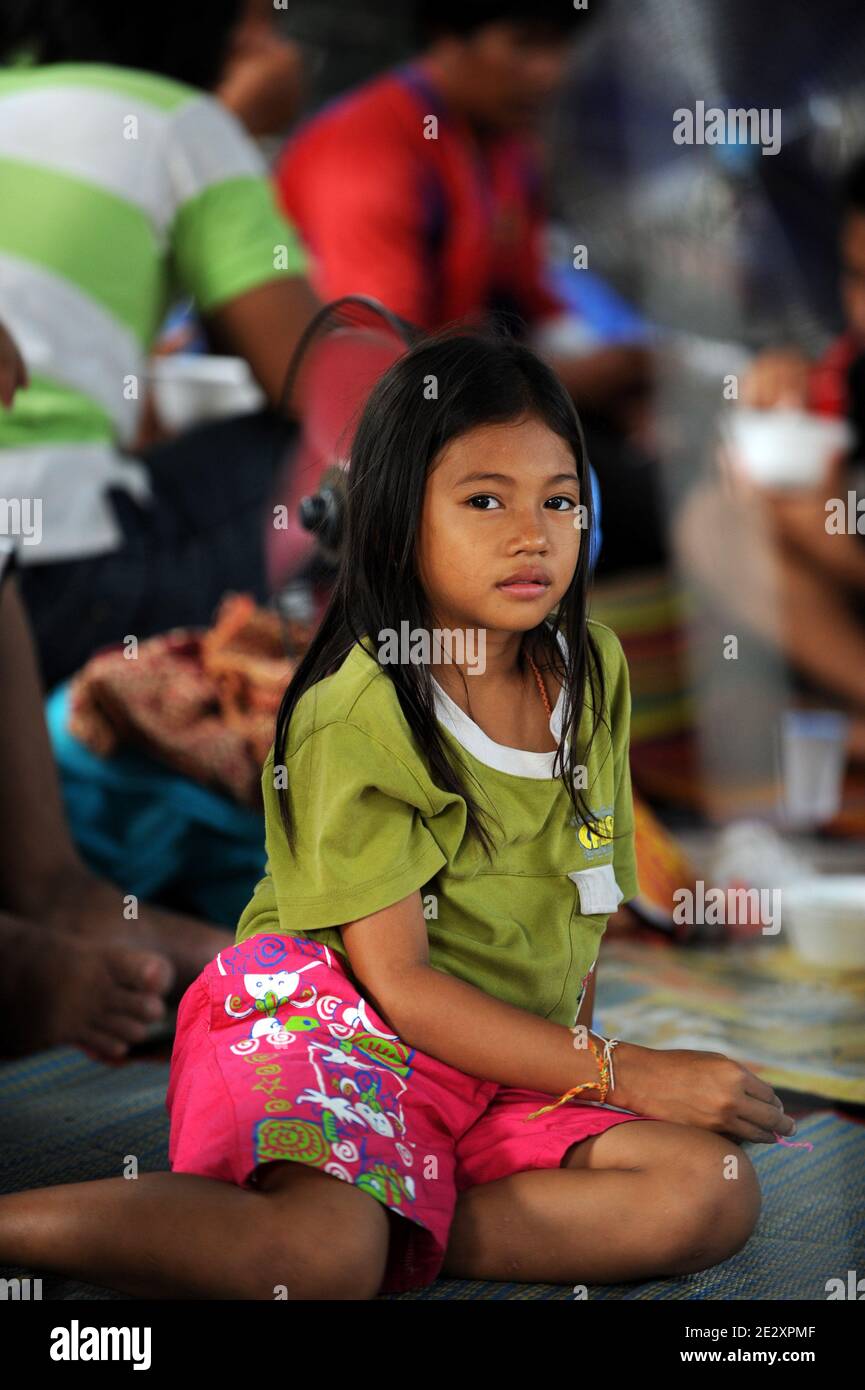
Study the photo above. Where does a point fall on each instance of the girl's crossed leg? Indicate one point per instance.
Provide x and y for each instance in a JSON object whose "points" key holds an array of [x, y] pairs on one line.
{"points": [[178, 1235], [636, 1201]]}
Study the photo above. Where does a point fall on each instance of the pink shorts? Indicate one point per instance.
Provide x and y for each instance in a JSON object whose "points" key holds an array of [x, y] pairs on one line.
{"points": [[277, 1056]]}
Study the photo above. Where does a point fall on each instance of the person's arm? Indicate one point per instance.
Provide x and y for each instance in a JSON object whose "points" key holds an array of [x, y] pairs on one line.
{"points": [[483, 1036], [36, 848], [837, 554], [777, 377], [343, 783], [13, 373], [799, 517], [452, 1020], [263, 77], [263, 325]]}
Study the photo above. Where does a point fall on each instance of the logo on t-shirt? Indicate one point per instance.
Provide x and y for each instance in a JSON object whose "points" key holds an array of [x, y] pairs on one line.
{"points": [[596, 835]]}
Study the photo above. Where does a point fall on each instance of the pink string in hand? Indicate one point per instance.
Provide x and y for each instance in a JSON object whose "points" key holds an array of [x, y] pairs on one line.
{"points": [[792, 1144]]}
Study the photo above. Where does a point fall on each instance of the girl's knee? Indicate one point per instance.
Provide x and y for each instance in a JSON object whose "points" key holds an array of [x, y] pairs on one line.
{"points": [[317, 1240], [713, 1204]]}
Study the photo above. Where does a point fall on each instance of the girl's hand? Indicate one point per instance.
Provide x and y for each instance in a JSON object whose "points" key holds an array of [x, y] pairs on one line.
{"points": [[705, 1089]]}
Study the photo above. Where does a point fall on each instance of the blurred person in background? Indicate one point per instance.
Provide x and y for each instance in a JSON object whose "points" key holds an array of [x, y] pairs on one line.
{"points": [[126, 184], [423, 188], [807, 593], [75, 968], [263, 77]]}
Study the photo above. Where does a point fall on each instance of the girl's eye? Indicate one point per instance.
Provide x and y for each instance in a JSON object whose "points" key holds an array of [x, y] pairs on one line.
{"points": [[569, 500], [483, 497]]}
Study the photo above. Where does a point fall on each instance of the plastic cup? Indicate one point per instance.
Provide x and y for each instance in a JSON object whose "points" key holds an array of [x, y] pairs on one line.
{"points": [[813, 759]]}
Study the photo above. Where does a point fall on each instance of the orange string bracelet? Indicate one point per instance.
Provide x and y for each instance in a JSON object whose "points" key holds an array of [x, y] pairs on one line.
{"points": [[604, 1069]]}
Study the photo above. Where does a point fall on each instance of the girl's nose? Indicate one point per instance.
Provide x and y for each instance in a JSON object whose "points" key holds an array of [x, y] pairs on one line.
{"points": [[531, 530]]}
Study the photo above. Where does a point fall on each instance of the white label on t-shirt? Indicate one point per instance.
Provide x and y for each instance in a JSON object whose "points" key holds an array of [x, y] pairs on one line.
{"points": [[598, 889]]}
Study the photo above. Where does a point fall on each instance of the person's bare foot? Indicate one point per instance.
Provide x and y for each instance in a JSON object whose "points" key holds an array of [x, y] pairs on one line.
{"points": [[94, 910], [58, 990]]}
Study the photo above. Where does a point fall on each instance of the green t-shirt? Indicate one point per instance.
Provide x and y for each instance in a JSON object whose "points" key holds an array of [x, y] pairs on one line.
{"points": [[372, 827]]}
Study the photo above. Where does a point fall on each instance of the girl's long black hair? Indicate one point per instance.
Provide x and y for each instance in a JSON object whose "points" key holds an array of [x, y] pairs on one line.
{"points": [[483, 377]]}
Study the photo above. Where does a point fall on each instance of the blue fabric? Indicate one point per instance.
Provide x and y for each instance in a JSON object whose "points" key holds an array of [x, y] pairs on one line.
{"points": [[599, 305], [155, 832], [182, 317], [597, 534]]}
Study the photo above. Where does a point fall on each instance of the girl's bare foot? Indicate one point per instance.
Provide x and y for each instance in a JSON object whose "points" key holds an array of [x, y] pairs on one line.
{"points": [[58, 990]]}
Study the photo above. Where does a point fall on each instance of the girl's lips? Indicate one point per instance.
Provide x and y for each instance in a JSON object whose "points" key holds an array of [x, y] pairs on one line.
{"points": [[523, 588]]}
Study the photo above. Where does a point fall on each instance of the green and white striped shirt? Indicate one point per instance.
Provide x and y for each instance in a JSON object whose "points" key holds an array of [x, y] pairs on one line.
{"points": [[119, 191]]}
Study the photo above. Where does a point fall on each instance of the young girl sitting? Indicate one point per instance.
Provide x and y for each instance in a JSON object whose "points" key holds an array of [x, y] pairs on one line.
{"points": [[392, 1074]]}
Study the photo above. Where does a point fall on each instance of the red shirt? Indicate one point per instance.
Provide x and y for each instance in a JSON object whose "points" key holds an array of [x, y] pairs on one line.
{"points": [[829, 392], [434, 228]]}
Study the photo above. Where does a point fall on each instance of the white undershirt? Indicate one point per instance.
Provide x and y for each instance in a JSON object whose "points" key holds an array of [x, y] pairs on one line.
{"points": [[519, 762]]}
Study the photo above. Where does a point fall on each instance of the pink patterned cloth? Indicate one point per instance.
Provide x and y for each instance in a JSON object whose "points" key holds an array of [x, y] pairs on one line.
{"points": [[203, 702]]}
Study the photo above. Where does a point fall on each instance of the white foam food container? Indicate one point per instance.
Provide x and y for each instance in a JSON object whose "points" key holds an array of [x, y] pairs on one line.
{"points": [[190, 388], [824, 918], [784, 448]]}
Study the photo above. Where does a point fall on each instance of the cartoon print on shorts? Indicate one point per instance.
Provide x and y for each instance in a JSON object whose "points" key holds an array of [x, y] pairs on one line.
{"points": [[305, 1142], [369, 1097], [359, 1104], [361, 1072], [387, 1185], [270, 991]]}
